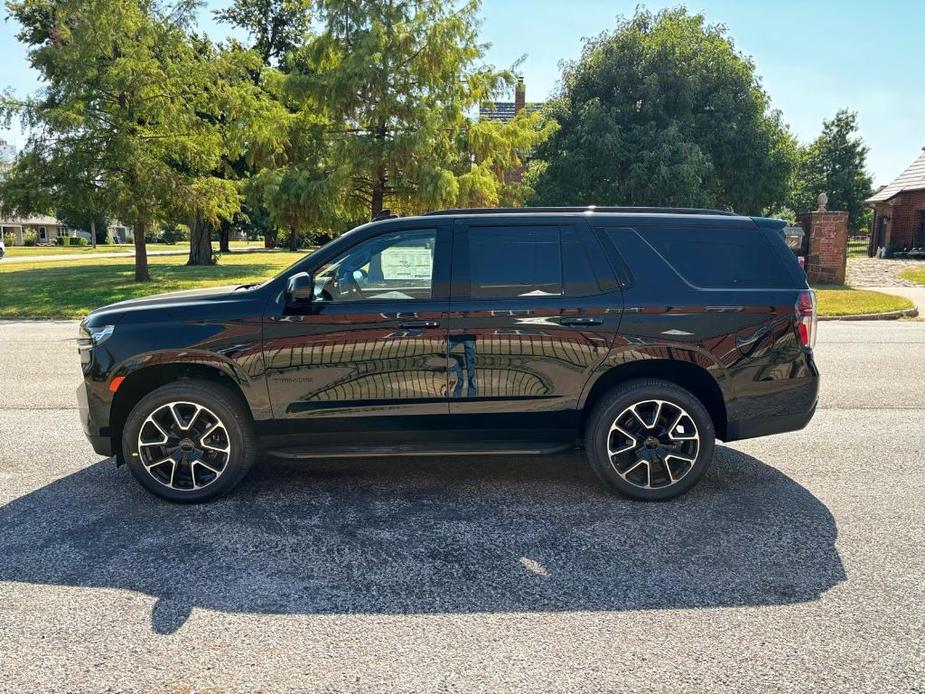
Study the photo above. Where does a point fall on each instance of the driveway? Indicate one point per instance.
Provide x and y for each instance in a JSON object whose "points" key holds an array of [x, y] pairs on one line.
{"points": [[797, 563], [880, 272]]}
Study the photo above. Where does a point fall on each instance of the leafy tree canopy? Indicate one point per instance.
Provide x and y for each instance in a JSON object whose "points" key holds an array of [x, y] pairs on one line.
{"points": [[275, 27], [665, 111], [130, 101], [395, 82], [835, 163]]}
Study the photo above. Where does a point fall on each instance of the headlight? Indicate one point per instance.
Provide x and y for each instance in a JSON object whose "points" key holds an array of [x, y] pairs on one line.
{"points": [[88, 337]]}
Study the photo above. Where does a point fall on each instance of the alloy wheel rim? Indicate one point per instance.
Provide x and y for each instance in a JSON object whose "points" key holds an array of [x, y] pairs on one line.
{"points": [[653, 444], [184, 446]]}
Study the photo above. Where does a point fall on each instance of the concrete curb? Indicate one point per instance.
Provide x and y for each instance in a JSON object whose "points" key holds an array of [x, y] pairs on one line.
{"points": [[889, 315]]}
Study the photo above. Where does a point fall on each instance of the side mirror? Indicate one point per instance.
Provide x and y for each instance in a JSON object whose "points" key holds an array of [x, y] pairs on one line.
{"points": [[300, 288]]}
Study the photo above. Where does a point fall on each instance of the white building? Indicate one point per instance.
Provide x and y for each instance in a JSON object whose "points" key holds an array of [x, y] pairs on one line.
{"points": [[7, 152]]}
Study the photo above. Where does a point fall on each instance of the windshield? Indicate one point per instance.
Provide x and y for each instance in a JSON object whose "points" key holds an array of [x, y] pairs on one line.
{"points": [[291, 269]]}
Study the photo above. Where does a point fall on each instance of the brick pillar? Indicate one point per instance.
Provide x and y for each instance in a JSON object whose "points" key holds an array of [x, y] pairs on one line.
{"points": [[827, 246]]}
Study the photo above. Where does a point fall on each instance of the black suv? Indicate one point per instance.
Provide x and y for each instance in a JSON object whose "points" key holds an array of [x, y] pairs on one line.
{"points": [[642, 334]]}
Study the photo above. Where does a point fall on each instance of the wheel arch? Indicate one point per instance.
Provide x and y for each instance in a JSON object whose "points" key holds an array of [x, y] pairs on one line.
{"points": [[142, 381], [692, 377]]}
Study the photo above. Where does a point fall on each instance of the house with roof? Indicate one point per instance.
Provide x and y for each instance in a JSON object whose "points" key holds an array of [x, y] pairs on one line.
{"points": [[45, 228], [899, 211], [505, 111]]}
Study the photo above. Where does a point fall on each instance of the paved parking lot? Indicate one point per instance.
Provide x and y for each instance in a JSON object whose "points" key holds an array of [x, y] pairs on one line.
{"points": [[797, 563]]}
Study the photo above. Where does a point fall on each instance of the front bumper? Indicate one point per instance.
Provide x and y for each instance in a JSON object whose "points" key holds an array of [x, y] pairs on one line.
{"points": [[96, 431]]}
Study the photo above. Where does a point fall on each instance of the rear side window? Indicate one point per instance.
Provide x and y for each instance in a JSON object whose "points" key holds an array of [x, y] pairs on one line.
{"points": [[719, 258], [529, 261], [507, 262]]}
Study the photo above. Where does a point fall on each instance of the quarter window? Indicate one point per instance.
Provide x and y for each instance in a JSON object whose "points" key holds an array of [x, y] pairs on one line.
{"points": [[714, 258]]}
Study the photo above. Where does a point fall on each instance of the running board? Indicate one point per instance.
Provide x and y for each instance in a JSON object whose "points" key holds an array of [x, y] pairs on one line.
{"points": [[425, 450]]}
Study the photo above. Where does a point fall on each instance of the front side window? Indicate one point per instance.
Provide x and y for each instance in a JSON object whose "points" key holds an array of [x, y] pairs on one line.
{"points": [[392, 267]]}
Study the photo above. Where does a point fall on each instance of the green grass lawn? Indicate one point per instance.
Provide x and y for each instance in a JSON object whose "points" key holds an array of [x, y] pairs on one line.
{"points": [[25, 251], [916, 274], [845, 301], [72, 288]]}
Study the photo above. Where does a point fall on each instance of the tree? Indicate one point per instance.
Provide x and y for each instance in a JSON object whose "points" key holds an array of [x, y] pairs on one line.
{"points": [[125, 89], [395, 81], [664, 111], [835, 163], [275, 27]]}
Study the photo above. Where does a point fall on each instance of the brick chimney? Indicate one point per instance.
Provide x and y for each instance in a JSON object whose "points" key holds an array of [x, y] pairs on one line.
{"points": [[520, 96]]}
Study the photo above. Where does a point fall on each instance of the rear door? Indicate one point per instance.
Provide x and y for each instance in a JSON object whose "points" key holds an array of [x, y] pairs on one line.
{"points": [[529, 320]]}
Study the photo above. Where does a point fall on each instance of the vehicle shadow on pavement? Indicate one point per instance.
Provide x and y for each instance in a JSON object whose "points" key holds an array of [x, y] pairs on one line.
{"points": [[412, 536]]}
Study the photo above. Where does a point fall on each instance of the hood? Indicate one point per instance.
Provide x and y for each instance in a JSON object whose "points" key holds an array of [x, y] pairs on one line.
{"points": [[171, 302], [170, 298]]}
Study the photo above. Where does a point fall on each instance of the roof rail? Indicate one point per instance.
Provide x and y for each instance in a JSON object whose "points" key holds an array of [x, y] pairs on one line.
{"points": [[588, 208]]}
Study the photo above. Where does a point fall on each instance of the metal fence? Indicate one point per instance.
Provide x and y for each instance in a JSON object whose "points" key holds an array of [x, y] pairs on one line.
{"points": [[857, 246]]}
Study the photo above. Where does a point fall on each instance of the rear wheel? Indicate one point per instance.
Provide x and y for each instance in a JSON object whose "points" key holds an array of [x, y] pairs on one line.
{"points": [[649, 439], [189, 441]]}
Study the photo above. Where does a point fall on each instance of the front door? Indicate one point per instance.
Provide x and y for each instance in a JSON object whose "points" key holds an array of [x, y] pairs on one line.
{"points": [[529, 321], [369, 350]]}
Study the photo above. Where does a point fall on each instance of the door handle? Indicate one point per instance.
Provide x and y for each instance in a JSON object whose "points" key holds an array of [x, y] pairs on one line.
{"points": [[576, 321], [419, 324]]}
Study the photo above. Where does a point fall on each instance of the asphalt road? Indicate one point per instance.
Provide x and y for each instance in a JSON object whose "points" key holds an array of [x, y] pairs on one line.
{"points": [[796, 564]]}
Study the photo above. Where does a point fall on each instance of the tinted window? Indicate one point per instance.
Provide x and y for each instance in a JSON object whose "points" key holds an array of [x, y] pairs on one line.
{"points": [[509, 262], [393, 267], [715, 258], [580, 279]]}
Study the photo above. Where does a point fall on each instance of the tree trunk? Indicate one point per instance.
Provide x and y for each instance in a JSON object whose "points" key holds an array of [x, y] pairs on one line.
{"points": [[224, 237], [141, 253], [93, 233], [269, 238], [200, 243], [378, 196], [293, 239]]}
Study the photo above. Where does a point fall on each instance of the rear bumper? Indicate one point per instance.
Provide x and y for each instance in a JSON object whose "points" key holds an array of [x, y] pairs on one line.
{"points": [[774, 407], [765, 426]]}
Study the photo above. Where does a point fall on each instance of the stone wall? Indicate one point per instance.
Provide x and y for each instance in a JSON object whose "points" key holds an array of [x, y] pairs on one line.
{"points": [[827, 246]]}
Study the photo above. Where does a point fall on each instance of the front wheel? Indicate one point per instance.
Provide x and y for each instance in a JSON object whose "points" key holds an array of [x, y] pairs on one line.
{"points": [[649, 439], [189, 441]]}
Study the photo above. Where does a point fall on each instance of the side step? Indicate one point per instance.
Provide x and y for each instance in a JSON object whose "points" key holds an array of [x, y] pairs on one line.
{"points": [[425, 450]]}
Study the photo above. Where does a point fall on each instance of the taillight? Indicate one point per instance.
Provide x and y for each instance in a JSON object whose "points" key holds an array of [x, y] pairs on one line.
{"points": [[806, 318]]}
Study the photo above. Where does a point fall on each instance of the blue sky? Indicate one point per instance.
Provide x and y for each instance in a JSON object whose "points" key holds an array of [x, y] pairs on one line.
{"points": [[814, 57]]}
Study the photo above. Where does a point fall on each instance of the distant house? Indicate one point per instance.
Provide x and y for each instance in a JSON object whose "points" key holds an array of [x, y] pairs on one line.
{"points": [[46, 229], [899, 211], [7, 152], [120, 232], [505, 111]]}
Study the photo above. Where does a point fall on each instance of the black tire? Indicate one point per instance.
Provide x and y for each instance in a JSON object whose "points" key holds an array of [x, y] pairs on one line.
{"points": [[201, 472], [655, 468]]}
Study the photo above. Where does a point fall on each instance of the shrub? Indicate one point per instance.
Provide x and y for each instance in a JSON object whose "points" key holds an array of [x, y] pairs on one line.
{"points": [[172, 234], [28, 239], [8, 239]]}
